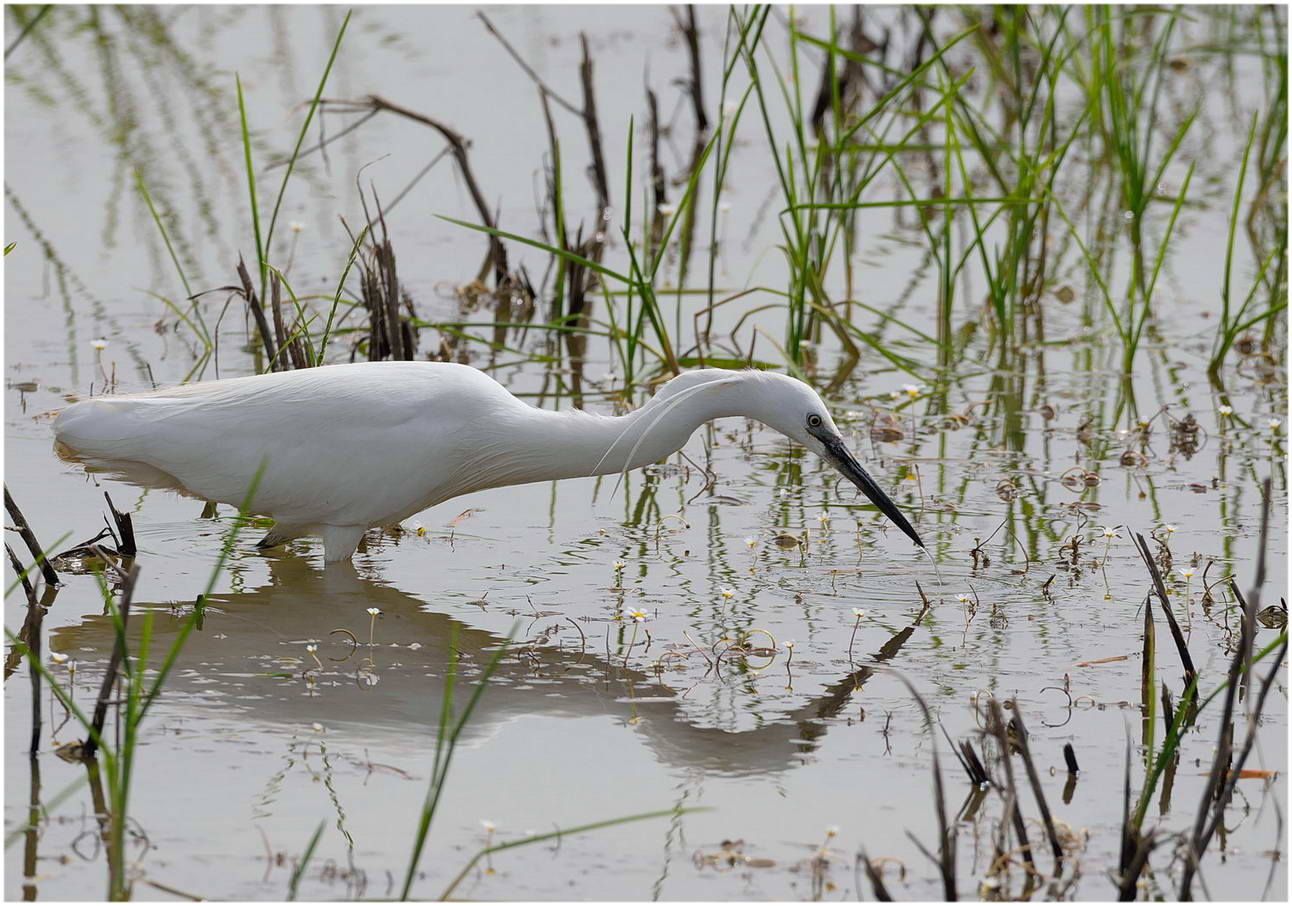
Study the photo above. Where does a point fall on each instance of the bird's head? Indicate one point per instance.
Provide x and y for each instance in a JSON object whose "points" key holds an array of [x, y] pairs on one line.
{"points": [[797, 411]]}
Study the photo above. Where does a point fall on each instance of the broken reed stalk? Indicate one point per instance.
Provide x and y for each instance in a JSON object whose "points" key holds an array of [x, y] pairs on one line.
{"points": [[599, 179], [125, 530], [997, 727], [1130, 836], [29, 538], [1034, 780], [695, 84], [1218, 792], [291, 344], [248, 293], [1190, 672], [35, 617], [592, 250], [21, 573], [1148, 679], [31, 636], [1226, 769], [1070, 785], [978, 774], [659, 187], [555, 197], [91, 744], [389, 335], [876, 879], [1258, 581], [968, 759], [946, 859], [1127, 888]]}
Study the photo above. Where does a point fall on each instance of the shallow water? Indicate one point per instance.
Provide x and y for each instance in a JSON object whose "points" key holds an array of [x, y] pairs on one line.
{"points": [[248, 750]]}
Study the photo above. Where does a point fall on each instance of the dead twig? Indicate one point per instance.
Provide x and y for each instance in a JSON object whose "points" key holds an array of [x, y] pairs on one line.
{"points": [[996, 726], [946, 860], [29, 538], [31, 636], [258, 313], [1034, 779], [21, 572], [511, 51], [125, 530], [459, 145], [91, 744], [599, 179], [1190, 673]]}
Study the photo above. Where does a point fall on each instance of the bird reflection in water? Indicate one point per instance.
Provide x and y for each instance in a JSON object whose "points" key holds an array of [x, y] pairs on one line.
{"points": [[256, 640]]}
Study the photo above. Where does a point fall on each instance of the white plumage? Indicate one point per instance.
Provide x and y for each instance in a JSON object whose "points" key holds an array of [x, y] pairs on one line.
{"points": [[349, 447]]}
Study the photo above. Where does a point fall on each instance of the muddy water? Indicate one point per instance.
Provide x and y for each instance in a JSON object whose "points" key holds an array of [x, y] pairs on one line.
{"points": [[249, 749]]}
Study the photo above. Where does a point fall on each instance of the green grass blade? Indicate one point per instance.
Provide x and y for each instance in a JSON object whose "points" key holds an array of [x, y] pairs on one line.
{"points": [[251, 179], [336, 300], [299, 873], [539, 838], [550, 249], [300, 140]]}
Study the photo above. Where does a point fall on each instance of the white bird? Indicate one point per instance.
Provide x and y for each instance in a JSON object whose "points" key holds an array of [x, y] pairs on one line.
{"points": [[349, 447]]}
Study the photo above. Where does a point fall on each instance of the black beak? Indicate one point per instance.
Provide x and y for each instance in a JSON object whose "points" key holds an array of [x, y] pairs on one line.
{"points": [[842, 459]]}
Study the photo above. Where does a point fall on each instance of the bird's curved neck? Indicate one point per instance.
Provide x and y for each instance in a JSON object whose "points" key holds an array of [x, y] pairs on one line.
{"points": [[573, 444]]}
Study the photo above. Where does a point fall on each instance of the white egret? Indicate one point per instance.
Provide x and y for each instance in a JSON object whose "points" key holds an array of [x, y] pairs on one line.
{"points": [[349, 447]]}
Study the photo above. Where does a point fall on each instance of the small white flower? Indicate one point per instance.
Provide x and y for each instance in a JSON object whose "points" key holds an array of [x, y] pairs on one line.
{"points": [[1169, 529], [1274, 424], [895, 394], [667, 209], [619, 565], [790, 644], [823, 518], [728, 592], [374, 611], [58, 657], [751, 542], [311, 649], [318, 728], [832, 831], [1186, 573], [295, 226], [1225, 410], [99, 344], [858, 612], [637, 616], [488, 825], [964, 599], [1110, 531], [913, 390], [417, 528]]}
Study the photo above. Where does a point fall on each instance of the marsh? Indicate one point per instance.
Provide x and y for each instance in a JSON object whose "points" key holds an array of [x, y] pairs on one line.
{"points": [[1032, 258]]}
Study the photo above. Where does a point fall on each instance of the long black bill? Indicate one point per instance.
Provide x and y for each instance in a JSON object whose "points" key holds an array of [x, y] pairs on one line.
{"points": [[842, 459]]}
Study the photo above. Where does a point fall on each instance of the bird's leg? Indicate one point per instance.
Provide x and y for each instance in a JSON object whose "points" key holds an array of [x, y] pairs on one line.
{"points": [[340, 541]]}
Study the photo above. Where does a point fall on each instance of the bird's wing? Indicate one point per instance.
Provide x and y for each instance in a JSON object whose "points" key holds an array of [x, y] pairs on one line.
{"points": [[342, 445]]}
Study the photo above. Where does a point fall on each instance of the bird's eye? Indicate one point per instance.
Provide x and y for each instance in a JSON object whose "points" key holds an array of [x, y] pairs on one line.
{"points": [[814, 421]]}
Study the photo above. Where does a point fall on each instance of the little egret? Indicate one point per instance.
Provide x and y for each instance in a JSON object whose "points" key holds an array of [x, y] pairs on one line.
{"points": [[346, 448]]}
